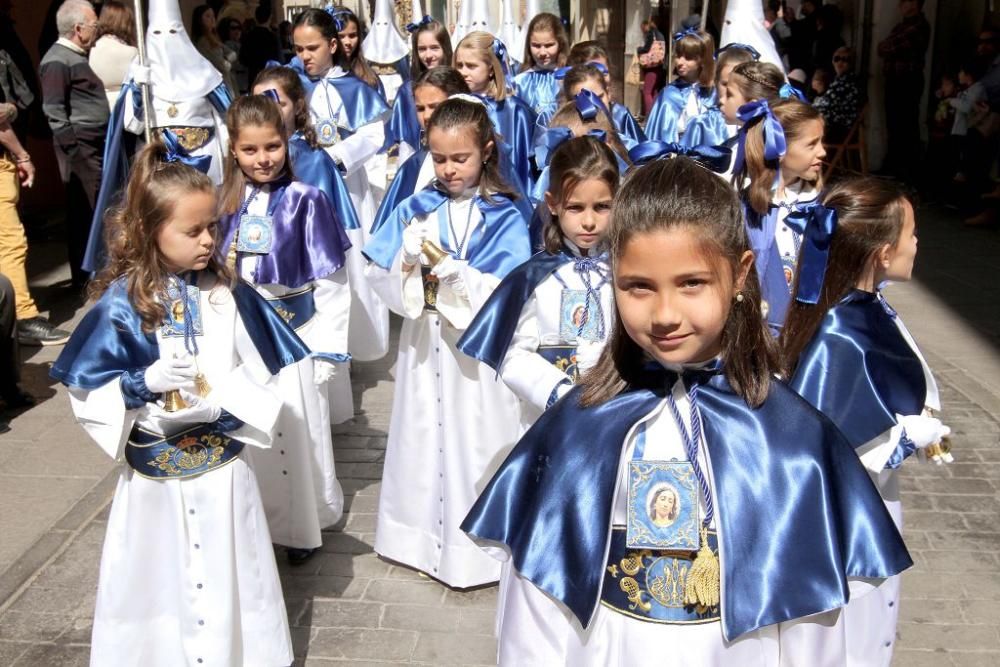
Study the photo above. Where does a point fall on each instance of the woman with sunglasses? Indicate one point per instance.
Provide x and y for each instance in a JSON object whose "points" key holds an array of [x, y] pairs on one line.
{"points": [[842, 101]]}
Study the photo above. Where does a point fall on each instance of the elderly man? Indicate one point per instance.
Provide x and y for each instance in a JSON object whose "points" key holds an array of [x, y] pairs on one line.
{"points": [[76, 107]]}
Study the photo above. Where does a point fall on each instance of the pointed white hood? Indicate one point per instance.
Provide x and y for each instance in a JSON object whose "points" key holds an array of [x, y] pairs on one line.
{"points": [[744, 24], [177, 71], [384, 44], [510, 32], [474, 16]]}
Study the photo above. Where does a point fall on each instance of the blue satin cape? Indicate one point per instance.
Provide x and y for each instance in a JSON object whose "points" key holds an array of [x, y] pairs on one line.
{"points": [[539, 89], [661, 124], [628, 127], [859, 370], [403, 126], [315, 167], [362, 104], [308, 241], [403, 185], [499, 244], [488, 337], [708, 129], [797, 513], [514, 121], [115, 169], [109, 340]]}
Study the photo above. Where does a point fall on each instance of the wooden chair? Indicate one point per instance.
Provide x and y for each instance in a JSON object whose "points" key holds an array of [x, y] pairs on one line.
{"points": [[854, 142]]}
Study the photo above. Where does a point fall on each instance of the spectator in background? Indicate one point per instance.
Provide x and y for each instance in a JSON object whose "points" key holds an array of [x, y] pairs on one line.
{"points": [[11, 394], [829, 23], [800, 48], [231, 33], [260, 43], [207, 41], [902, 54], [818, 86], [651, 57], [76, 107], [285, 41], [970, 108], [776, 18], [115, 47], [842, 102]]}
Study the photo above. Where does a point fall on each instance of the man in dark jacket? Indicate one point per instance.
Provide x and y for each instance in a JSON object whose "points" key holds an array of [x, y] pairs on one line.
{"points": [[259, 44]]}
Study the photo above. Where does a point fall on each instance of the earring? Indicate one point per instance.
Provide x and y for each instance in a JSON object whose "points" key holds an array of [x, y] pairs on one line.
{"points": [[739, 297]]}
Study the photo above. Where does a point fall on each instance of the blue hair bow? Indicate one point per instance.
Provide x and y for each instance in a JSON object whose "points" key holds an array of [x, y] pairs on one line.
{"points": [[413, 27], [561, 72], [788, 91], [754, 53], [774, 134], [588, 104], [500, 51], [600, 67], [552, 138], [176, 153], [817, 224], [271, 94], [338, 16], [714, 158], [690, 30]]}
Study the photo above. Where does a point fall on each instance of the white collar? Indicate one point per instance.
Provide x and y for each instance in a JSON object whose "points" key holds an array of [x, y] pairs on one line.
{"points": [[71, 45]]}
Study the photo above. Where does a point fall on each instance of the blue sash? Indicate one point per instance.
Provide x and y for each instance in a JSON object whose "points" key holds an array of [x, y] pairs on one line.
{"points": [[295, 309], [189, 453]]}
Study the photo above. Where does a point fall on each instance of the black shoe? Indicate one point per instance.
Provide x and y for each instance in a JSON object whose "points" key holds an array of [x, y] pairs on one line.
{"points": [[299, 556], [39, 331], [4, 425], [16, 399]]}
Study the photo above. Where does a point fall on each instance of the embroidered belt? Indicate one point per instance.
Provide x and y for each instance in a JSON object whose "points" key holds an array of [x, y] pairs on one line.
{"points": [[431, 285], [192, 138], [562, 357], [296, 308], [189, 453], [650, 585]]}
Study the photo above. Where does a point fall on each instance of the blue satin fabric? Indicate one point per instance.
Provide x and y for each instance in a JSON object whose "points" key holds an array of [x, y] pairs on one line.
{"points": [[708, 129], [754, 53], [109, 340], [499, 244], [176, 153], [661, 124], [491, 331], [157, 457], [315, 167], [362, 104], [403, 126], [715, 158], [403, 185], [859, 370], [539, 89], [816, 224], [296, 309], [774, 134], [787, 91], [308, 241], [796, 511], [514, 121], [628, 127]]}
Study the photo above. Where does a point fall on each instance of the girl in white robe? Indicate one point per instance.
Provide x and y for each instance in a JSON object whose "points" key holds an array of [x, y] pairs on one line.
{"points": [[187, 570], [283, 237], [452, 419]]}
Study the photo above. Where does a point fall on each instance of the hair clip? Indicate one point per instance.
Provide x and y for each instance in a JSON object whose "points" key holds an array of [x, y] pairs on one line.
{"points": [[466, 97], [413, 27], [336, 14], [690, 30]]}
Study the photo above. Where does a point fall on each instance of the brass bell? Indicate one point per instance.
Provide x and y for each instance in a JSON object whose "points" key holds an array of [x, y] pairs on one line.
{"points": [[434, 253], [172, 401]]}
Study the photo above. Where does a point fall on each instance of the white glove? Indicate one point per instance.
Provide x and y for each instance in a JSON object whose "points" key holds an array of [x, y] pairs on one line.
{"points": [[198, 410], [323, 371], [587, 354], [924, 431], [413, 239], [449, 272], [166, 374], [140, 74]]}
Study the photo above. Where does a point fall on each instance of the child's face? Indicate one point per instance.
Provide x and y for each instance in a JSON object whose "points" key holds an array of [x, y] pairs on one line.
{"points": [[964, 78], [584, 212], [597, 87], [473, 69], [544, 48], [349, 38], [284, 103], [947, 87], [720, 88], [260, 152], [427, 99], [732, 100], [458, 161], [673, 298], [186, 240], [687, 68], [804, 155], [818, 83], [314, 50], [899, 258], [429, 50]]}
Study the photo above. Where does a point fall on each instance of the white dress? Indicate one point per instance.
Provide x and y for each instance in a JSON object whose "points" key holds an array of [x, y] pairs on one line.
{"points": [[534, 629], [187, 571], [453, 421], [528, 374], [297, 477], [369, 334], [871, 620]]}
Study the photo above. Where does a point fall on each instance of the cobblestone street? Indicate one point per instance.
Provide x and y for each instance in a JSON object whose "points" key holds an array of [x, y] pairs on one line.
{"points": [[347, 605]]}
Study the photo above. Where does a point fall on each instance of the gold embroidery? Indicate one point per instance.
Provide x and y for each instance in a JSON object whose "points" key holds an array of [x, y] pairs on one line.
{"points": [[191, 138], [634, 593]]}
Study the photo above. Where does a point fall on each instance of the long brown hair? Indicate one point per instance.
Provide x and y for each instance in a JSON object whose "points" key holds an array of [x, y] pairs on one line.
{"points": [[291, 85], [327, 27], [356, 62], [578, 74], [154, 187], [541, 23], [585, 52], [472, 116], [247, 111], [568, 116], [441, 36], [575, 161], [481, 45], [793, 116], [870, 214], [679, 194], [117, 20], [700, 45]]}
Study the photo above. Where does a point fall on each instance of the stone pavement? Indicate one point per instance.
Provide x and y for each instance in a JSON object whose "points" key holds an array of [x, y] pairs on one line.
{"points": [[348, 606]]}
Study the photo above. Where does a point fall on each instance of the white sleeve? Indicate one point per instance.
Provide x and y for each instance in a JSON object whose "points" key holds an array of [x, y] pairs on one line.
{"points": [[459, 310], [875, 453], [402, 292], [136, 124], [358, 148], [332, 295], [526, 372], [817, 641], [104, 417]]}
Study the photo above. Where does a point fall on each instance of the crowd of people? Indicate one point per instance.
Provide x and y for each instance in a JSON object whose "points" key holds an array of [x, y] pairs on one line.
{"points": [[635, 361]]}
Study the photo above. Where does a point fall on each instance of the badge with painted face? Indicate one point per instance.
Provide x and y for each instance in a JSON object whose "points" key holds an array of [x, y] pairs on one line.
{"points": [[327, 133], [255, 234], [578, 319], [662, 506], [177, 321]]}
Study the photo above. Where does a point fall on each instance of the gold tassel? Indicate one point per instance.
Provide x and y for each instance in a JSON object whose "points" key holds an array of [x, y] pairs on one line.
{"points": [[702, 589], [231, 255], [201, 385]]}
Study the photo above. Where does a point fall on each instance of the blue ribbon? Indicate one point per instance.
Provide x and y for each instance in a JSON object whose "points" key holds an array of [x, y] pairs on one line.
{"points": [[715, 158], [500, 51], [176, 153], [561, 72], [678, 36], [754, 53], [788, 91], [588, 104], [774, 134], [271, 94], [600, 67], [549, 140], [413, 27], [817, 224], [336, 15]]}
